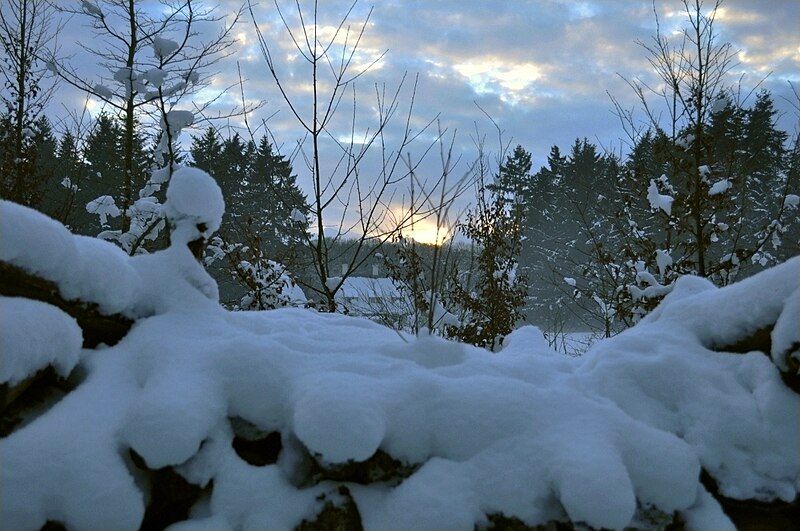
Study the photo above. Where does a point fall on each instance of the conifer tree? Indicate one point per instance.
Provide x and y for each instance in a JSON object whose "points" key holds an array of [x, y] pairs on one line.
{"points": [[206, 152], [273, 190], [69, 177], [702, 193], [107, 169], [513, 180], [27, 32], [260, 229]]}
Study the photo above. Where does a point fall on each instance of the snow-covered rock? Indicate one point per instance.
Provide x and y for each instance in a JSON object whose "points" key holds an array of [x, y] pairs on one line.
{"points": [[527, 432], [35, 335]]}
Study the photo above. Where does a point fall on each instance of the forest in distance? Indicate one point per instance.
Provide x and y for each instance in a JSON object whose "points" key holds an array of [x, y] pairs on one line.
{"points": [[592, 240]]}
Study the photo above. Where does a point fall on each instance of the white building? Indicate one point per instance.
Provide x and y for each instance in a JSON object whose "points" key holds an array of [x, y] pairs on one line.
{"points": [[375, 298]]}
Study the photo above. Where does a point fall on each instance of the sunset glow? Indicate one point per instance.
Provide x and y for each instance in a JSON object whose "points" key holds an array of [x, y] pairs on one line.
{"points": [[426, 231]]}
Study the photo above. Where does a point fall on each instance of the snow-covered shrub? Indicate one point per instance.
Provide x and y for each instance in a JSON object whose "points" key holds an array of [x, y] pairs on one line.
{"points": [[268, 284]]}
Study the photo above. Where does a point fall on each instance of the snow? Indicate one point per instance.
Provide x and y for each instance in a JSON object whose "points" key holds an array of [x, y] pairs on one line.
{"points": [[720, 187], [36, 243], [103, 92], [84, 268], [178, 119], [171, 124], [91, 9], [663, 261], [105, 207], [706, 513], [34, 336], [527, 432], [720, 104], [51, 66], [163, 48], [791, 201], [124, 75], [193, 199], [657, 200], [368, 295], [685, 141], [297, 216], [786, 334], [653, 287], [155, 76], [110, 291]]}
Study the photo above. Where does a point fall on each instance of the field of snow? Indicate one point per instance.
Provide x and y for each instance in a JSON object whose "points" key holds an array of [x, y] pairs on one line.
{"points": [[527, 432]]}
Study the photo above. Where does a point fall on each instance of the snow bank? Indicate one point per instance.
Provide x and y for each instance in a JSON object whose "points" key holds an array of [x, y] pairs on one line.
{"points": [[526, 432], [733, 410]]}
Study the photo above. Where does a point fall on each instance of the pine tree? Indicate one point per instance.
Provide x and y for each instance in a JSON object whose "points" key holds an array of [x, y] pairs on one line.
{"points": [[26, 34], [206, 153], [541, 195], [26, 162], [69, 176], [258, 229], [513, 180], [43, 145], [763, 166], [273, 191], [105, 156]]}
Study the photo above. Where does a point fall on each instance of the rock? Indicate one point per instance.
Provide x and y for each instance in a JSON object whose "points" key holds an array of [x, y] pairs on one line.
{"points": [[257, 447], [339, 513], [170, 495], [752, 514], [380, 468], [97, 327]]}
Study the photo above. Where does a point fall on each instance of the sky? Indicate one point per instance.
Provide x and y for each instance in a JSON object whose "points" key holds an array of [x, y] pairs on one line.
{"points": [[501, 73]]}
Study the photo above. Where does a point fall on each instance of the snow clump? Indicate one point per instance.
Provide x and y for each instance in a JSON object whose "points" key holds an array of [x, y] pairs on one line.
{"points": [[658, 200], [194, 205]]}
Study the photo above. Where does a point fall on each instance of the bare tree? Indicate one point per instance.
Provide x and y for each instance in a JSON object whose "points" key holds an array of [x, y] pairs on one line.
{"points": [[28, 32], [154, 61], [422, 272], [357, 206]]}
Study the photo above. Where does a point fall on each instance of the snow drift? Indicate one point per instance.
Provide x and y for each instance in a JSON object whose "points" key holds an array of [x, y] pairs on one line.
{"points": [[527, 433]]}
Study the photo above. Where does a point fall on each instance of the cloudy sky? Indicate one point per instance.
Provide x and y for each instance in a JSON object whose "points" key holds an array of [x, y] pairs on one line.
{"points": [[542, 69]]}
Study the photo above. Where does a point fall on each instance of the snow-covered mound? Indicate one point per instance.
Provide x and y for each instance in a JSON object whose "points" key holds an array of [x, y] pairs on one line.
{"points": [[527, 432]]}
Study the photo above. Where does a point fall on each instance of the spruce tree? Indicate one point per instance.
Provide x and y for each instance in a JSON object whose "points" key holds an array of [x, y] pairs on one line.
{"points": [[274, 193], [69, 179], [206, 153]]}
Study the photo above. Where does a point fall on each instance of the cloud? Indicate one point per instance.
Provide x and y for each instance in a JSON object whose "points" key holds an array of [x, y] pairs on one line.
{"points": [[542, 69]]}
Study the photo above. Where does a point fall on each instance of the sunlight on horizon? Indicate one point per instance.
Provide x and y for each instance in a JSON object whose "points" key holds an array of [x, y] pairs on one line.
{"points": [[425, 231]]}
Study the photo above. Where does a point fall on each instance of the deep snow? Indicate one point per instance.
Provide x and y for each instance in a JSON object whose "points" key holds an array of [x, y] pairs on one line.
{"points": [[528, 432]]}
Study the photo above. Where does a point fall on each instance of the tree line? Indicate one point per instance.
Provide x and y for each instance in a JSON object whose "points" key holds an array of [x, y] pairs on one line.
{"points": [[590, 239]]}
